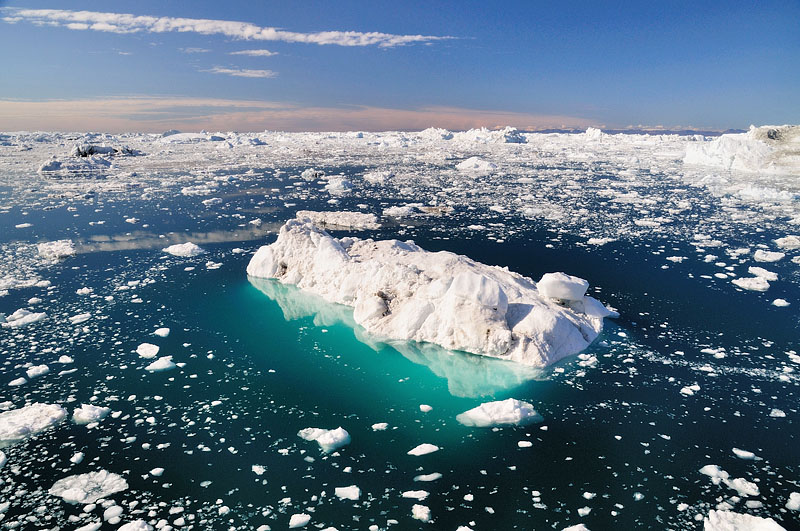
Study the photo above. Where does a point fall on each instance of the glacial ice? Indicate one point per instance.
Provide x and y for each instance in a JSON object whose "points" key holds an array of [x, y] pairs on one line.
{"points": [[22, 317], [184, 250], [19, 424], [509, 412], [768, 149], [88, 413], [88, 488], [730, 521], [399, 291], [56, 250], [328, 440], [340, 219]]}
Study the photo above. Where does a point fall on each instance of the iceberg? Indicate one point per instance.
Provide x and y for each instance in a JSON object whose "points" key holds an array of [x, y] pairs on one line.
{"points": [[399, 291], [19, 424], [766, 149], [88, 488], [730, 521]]}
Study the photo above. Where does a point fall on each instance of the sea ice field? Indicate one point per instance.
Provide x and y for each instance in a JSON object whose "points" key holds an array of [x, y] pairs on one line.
{"points": [[475, 330]]}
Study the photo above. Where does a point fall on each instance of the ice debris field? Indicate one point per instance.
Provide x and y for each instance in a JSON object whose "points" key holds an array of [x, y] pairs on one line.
{"points": [[470, 330]]}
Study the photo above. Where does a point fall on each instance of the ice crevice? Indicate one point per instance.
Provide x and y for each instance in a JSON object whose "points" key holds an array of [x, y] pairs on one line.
{"points": [[399, 291]]}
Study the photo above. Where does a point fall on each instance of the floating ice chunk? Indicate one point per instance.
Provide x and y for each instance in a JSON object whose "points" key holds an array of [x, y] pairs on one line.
{"points": [[258, 470], [136, 525], [56, 250], [767, 256], [340, 219], [339, 186], [744, 454], [211, 202], [91, 526], [80, 318], [780, 303], [425, 408], [380, 426], [740, 485], [730, 521], [161, 332], [37, 370], [348, 493], [147, 350], [16, 382], [777, 413], [763, 273], [476, 165], [328, 440], [793, 503], [299, 520], [3, 459], [88, 413], [509, 412], [421, 513], [65, 360], [751, 283], [19, 424], [428, 477], [77, 458], [84, 291], [524, 444], [423, 449], [399, 291], [584, 511], [578, 527], [184, 250], [88, 488], [562, 286], [157, 472], [22, 317], [788, 242], [112, 514], [309, 174], [163, 363], [418, 495]]}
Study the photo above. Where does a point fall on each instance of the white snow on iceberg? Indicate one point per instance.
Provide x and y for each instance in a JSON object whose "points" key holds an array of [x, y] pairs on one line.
{"points": [[400, 291], [730, 521], [509, 412]]}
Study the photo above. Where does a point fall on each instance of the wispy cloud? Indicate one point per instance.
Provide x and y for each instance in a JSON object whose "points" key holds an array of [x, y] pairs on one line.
{"points": [[127, 23], [195, 50], [151, 114], [255, 53], [241, 72]]}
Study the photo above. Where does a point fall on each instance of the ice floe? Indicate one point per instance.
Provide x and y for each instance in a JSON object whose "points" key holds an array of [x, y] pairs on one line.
{"points": [[509, 412], [328, 440], [730, 521], [164, 363], [19, 424], [56, 250], [184, 250], [88, 488], [88, 413], [21, 317]]}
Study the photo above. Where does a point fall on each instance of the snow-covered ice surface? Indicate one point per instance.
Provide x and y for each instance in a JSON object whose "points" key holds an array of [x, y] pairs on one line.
{"points": [[694, 367]]}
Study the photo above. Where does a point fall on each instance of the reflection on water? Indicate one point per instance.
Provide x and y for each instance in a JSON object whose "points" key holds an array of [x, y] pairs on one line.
{"points": [[467, 375], [148, 240]]}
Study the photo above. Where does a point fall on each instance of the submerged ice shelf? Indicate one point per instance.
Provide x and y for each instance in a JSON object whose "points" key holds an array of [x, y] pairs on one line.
{"points": [[400, 291]]}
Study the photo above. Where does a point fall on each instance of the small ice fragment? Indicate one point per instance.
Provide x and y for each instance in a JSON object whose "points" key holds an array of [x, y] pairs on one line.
{"points": [[136, 525], [147, 350], [328, 440], [157, 472], [421, 513], [418, 495], [163, 363], [428, 477], [184, 250], [88, 413], [423, 449], [299, 520], [348, 493], [161, 332], [744, 454], [425, 408], [37, 370], [380, 426]]}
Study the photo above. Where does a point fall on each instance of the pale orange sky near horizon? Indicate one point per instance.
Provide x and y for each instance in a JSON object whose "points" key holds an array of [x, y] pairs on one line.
{"points": [[146, 114]]}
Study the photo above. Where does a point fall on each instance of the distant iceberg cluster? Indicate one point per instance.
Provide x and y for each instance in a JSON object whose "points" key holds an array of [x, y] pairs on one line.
{"points": [[768, 149], [400, 291]]}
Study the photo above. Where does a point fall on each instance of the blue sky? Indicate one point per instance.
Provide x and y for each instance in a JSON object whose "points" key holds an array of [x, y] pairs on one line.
{"points": [[408, 65]]}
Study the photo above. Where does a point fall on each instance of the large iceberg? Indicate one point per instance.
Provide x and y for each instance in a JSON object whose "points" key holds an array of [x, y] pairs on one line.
{"points": [[768, 149], [399, 291]]}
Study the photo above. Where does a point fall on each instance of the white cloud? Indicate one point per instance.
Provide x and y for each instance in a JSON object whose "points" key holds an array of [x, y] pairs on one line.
{"points": [[255, 53], [195, 50], [241, 72], [127, 23]]}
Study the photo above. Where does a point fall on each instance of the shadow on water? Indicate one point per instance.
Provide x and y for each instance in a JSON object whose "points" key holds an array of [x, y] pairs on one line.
{"points": [[467, 375]]}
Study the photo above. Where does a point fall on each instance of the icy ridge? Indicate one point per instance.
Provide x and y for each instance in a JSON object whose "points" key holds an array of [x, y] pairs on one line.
{"points": [[399, 291], [768, 149]]}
